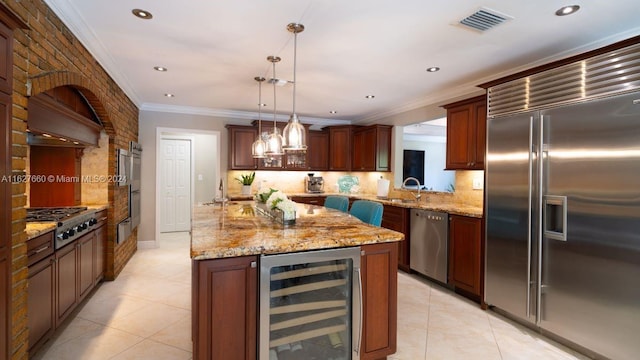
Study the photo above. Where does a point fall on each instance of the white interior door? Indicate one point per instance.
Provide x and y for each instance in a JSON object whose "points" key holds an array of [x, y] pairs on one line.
{"points": [[175, 211]]}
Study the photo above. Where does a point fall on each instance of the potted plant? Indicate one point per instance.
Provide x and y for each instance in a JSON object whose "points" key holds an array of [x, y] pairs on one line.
{"points": [[246, 181]]}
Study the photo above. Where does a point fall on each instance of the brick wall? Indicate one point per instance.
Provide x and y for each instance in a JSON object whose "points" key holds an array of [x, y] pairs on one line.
{"points": [[45, 56]]}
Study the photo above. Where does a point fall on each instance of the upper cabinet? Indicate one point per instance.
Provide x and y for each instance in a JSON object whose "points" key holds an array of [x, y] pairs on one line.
{"points": [[318, 154], [466, 134], [240, 140], [371, 148], [340, 148]]}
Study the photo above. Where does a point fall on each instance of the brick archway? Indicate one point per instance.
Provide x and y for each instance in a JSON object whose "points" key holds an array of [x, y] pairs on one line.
{"points": [[46, 81]]}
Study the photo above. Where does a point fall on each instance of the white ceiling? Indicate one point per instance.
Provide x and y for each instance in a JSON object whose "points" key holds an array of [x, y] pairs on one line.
{"points": [[349, 49]]}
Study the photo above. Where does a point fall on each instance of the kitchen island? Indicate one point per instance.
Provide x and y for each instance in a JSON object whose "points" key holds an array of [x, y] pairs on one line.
{"points": [[226, 247]]}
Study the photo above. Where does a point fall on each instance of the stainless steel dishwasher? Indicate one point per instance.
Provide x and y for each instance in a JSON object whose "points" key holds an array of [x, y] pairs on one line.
{"points": [[429, 243]]}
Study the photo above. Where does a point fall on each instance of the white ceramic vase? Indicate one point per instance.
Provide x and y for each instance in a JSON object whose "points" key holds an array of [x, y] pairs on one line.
{"points": [[246, 189]]}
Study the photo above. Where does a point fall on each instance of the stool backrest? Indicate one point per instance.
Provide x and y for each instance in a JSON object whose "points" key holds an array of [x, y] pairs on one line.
{"points": [[337, 202], [367, 211]]}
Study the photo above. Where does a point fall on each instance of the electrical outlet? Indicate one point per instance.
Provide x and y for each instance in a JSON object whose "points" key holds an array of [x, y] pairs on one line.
{"points": [[477, 184]]}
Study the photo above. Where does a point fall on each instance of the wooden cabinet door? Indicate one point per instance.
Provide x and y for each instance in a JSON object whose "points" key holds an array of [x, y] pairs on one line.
{"points": [[66, 281], [379, 265], [459, 137], [372, 148], [466, 134], [397, 218], [225, 308], [318, 150], [86, 251], [383, 148], [465, 253], [41, 302], [240, 140], [340, 148], [6, 61], [480, 110], [100, 254]]}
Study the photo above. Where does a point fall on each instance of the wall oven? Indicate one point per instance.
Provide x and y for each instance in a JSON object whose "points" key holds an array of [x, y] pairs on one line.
{"points": [[310, 305], [135, 150]]}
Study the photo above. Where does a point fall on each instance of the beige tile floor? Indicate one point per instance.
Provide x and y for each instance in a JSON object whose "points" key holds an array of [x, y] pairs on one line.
{"points": [[145, 314]]}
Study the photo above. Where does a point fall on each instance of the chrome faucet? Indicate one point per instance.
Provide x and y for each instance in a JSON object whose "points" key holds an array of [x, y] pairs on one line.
{"points": [[404, 186]]}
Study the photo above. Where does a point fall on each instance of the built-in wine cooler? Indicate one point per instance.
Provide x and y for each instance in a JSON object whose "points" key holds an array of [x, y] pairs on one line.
{"points": [[310, 305]]}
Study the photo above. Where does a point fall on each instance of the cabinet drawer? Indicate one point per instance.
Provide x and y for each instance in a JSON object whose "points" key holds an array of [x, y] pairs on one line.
{"points": [[39, 248]]}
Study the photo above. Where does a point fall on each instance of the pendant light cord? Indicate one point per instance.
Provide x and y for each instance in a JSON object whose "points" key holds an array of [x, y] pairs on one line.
{"points": [[274, 96], [260, 110], [295, 47]]}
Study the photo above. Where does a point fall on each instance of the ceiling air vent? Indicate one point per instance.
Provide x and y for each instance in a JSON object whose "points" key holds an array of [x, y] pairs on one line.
{"points": [[484, 19]]}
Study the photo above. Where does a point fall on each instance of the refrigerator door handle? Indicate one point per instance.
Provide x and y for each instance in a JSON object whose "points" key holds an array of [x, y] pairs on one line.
{"points": [[531, 154], [540, 185], [555, 217], [359, 313]]}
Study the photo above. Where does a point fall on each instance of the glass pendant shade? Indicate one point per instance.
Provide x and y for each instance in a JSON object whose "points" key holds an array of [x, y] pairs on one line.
{"points": [[274, 143], [259, 147], [294, 135]]}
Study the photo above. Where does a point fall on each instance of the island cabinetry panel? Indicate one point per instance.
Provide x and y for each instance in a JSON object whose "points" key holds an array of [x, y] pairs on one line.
{"points": [[465, 255], [66, 281], [466, 134], [225, 305], [379, 265], [372, 148], [340, 148], [397, 218], [318, 153], [86, 253], [240, 140], [100, 245]]}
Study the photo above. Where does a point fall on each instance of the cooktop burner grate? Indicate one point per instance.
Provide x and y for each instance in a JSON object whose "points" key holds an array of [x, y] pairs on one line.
{"points": [[53, 214]]}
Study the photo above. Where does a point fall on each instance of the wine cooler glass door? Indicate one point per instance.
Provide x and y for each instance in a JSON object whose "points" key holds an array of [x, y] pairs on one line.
{"points": [[310, 305]]}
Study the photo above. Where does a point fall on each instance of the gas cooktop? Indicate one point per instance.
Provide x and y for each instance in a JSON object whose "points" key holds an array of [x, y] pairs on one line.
{"points": [[44, 214]]}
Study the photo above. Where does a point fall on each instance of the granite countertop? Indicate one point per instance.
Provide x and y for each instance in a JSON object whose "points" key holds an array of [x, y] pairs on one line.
{"points": [[239, 229], [35, 229], [448, 207]]}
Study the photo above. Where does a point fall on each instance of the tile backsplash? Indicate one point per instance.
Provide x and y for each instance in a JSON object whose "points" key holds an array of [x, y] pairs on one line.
{"points": [[294, 182]]}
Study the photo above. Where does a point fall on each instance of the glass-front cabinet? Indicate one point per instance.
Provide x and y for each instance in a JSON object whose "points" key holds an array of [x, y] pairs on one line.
{"points": [[310, 305]]}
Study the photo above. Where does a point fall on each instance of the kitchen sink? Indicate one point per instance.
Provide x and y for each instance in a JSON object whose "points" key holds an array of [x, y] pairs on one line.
{"points": [[404, 201]]}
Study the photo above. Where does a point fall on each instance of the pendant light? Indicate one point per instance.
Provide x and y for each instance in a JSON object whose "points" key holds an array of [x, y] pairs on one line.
{"points": [[294, 133], [274, 142], [258, 147]]}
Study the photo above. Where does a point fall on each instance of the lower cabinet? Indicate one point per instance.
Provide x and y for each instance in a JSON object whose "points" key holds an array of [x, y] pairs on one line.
{"points": [[66, 281], [379, 266], [397, 218], [465, 255], [40, 302], [225, 308], [59, 282], [225, 291]]}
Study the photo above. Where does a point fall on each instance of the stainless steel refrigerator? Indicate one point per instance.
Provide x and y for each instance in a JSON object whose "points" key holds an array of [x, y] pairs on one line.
{"points": [[563, 220]]}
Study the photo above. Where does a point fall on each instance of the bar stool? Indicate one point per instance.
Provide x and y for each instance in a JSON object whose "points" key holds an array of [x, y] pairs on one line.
{"points": [[367, 211], [337, 202]]}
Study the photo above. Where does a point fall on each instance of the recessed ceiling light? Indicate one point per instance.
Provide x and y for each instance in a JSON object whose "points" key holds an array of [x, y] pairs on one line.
{"points": [[169, 95], [77, 143], [46, 135], [567, 10], [159, 68], [63, 139], [142, 14], [370, 96], [333, 112], [433, 69]]}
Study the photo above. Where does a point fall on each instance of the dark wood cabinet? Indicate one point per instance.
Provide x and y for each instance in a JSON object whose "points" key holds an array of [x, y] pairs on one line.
{"points": [[379, 264], [225, 308], [318, 153], [466, 134], [100, 245], [340, 148], [41, 316], [66, 281], [465, 255], [397, 218], [371, 148], [240, 140], [311, 200], [86, 253]]}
